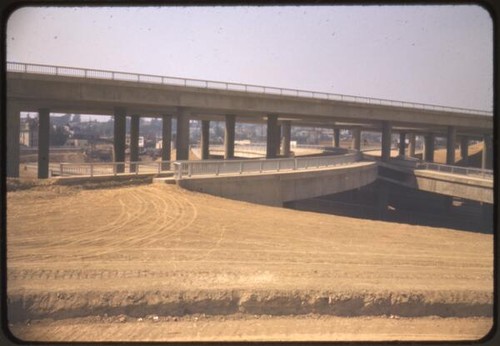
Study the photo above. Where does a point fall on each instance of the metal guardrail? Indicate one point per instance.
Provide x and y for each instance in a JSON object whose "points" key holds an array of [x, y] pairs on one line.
{"points": [[183, 169], [256, 148], [477, 172], [112, 168], [209, 84]]}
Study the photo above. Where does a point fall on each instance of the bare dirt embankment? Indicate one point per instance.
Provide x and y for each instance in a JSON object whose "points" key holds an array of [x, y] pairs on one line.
{"points": [[157, 250]]}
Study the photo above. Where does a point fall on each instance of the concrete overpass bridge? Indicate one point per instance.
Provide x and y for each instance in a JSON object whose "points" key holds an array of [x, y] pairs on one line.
{"points": [[453, 181], [56, 89]]}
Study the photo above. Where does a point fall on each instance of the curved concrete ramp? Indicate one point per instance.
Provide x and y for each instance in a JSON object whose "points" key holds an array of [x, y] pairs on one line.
{"points": [[279, 187]]}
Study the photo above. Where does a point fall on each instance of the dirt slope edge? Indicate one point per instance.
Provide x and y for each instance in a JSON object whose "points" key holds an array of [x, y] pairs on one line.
{"points": [[60, 305]]}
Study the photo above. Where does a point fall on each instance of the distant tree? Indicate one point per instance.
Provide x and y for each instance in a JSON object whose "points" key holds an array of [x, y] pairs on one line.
{"points": [[58, 135]]}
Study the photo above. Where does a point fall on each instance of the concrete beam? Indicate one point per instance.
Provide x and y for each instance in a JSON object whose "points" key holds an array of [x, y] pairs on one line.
{"points": [[166, 138], [450, 145], [58, 92], [119, 138], [205, 139], [429, 147], [134, 141], [272, 140], [229, 135], [386, 140], [286, 137], [13, 131], [336, 137], [182, 139], [43, 143]]}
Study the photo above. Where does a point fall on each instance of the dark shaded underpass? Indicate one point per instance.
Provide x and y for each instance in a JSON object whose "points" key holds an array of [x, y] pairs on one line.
{"points": [[385, 201]]}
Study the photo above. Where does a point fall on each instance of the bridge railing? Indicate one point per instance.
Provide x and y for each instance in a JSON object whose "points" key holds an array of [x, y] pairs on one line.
{"points": [[209, 84], [183, 169], [477, 172], [111, 168]]}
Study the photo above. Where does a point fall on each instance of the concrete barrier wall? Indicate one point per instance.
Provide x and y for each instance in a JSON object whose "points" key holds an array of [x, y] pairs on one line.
{"points": [[475, 189], [276, 188]]}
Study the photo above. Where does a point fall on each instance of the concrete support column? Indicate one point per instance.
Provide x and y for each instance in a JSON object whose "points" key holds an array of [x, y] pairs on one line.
{"points": [[229, 137], [464, 150], [336, 138], [205, 139], [386, 140], [13, 122], [278, 140], [182, 140], [119, 139], [166, 138], [272, 140], [134, 142], [286, 128], [450, 145], [429, 147], [411, 145], [402, 143], [356, 139], [43, 143], [487, 158]]}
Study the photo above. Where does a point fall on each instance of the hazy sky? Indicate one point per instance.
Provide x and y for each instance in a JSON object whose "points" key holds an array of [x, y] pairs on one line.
{"points": [[431, 54]]}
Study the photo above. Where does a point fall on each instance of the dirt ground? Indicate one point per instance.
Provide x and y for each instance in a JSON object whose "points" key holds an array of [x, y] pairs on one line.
{"points": [[256, 328], [77, 257]]}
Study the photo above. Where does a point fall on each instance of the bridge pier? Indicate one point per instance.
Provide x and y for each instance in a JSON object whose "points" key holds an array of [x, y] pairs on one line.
{"points": [[119, 139], [134, 142], [13, 123], [464, 150], [286, 137], [229, 135], [272, 139], [182, 139], [336, 137], [356, 138], [43, 143], [450, 145], [166, 138], [411, 145], [386, 140], [487, 158], [278, 140], [402, 143], [205, 139], [429, 148]]}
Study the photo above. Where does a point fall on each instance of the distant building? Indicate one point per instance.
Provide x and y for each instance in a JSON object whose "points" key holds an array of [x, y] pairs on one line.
{"points": [[28, 134], [140, 141], [159, 144]]}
